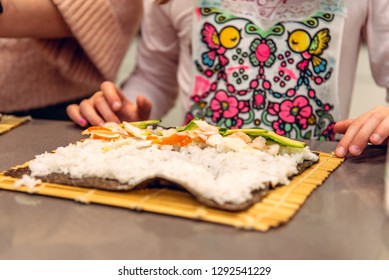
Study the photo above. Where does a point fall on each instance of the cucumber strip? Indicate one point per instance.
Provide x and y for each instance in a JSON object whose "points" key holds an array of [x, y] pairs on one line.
{"points": [[144, 124], [190, 126], [285, 141], [255, 132]]}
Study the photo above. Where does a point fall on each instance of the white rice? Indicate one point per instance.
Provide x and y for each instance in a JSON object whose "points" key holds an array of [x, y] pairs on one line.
{"points": [[215, 173], [28, 182]]}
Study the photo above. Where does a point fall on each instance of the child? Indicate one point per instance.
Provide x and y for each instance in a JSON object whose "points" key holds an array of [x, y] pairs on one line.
{"points": [[284, 65]]}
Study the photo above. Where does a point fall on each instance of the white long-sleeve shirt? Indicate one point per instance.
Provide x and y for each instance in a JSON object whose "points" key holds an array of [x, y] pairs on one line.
{"points": [[165, 62]]}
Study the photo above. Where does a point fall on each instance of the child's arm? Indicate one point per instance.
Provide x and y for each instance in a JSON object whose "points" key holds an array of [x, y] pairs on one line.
{"points": [[155, 75], [372, 126]]}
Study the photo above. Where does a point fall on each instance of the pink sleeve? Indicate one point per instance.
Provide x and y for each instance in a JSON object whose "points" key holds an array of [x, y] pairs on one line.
{"points": [[377, 37], [102, 32], [155, 74]]}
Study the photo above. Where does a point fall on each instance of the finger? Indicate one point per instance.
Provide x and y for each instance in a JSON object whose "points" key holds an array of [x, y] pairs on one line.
{"points": [[130, 113], [361, 139], [73, 111], [342, 126], [143, 107], [352, 130], [88, 111], [113, 95], [103, 108], [140, 110], [381, 133]]}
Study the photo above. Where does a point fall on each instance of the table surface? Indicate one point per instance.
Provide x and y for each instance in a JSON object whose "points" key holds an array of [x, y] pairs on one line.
{"points": [[342, 219]]}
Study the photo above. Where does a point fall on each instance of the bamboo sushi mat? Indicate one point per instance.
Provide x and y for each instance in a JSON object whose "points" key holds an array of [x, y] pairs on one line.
{"points": [[8, 122], [277, 208]]}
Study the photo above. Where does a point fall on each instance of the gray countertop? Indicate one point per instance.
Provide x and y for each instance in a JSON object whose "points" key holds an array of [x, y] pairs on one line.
{"points": [[342, 219]]}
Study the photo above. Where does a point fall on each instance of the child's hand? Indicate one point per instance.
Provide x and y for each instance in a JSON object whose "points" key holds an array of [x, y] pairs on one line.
{"points": [[109, 105], [372, 127]]}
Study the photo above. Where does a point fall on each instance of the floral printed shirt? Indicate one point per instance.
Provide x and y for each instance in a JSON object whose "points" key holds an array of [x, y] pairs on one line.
{"points": [[268, 64]]}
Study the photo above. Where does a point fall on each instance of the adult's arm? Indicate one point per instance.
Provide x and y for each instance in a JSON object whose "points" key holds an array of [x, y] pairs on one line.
{"points": [[32, 18], [101, 33], [85, 39]]}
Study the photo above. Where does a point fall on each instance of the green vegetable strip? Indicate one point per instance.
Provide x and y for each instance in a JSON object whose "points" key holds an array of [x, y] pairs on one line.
{"points": [[144, 124]]}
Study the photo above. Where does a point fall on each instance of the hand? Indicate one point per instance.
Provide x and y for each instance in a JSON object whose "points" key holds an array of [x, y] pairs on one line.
{"points": [[109, 105], [372, 127]]}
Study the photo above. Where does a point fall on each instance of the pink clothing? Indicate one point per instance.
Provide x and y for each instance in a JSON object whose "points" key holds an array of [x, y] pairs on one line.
{"points": [[165, 66], [38, 73]]}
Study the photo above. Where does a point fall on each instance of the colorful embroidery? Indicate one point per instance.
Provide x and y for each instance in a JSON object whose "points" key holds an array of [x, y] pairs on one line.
{"points": [[279, 78]]}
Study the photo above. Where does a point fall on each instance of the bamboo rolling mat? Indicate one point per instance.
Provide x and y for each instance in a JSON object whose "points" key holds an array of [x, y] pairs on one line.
{"points": [[277, 208], [8, 122]]}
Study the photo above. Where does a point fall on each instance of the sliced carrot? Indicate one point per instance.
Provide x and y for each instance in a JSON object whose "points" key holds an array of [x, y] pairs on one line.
{"points": [[152, 137], [101, 136], [91, 129], [174, 139]]}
